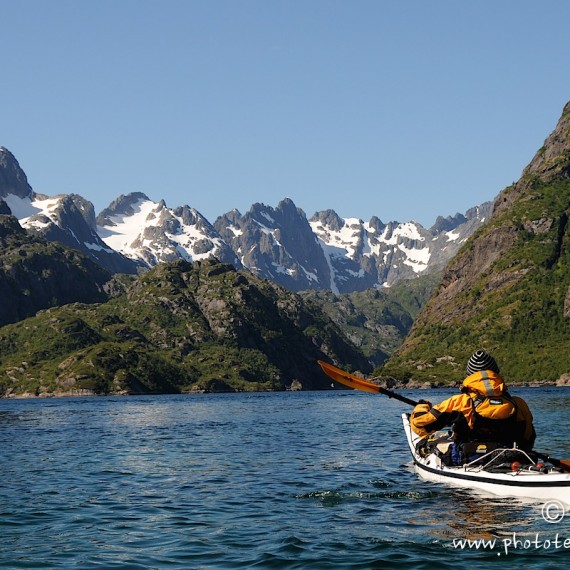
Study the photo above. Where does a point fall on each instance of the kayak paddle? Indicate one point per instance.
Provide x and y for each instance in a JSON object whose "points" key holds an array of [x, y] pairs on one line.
{"points": [[357, 383]]}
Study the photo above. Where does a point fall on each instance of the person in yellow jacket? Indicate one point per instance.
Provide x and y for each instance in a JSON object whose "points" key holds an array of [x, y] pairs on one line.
{"points": [[484, 411]]}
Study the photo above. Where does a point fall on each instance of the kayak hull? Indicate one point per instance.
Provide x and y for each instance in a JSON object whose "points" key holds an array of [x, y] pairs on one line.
{"points": [[551, 486]]}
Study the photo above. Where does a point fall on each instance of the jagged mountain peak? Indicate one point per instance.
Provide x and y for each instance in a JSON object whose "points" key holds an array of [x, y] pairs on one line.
{"points": [[13, 179], [288, 206], [276, 243], [376, 224], [68, 219], [65, 218], [448, 223], [286, 210], [328, 218]]}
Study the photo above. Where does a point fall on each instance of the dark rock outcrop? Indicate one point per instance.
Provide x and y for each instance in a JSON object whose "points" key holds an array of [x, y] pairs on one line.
{"points": [[35, 274], [13, 179]]}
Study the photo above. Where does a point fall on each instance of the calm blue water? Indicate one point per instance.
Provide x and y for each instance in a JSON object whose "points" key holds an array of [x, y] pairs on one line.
{"points": [[277, 480]]}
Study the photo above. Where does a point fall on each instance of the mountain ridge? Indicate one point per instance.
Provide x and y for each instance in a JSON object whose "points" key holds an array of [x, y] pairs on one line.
{"points": [[326, 251], [67, 218]]}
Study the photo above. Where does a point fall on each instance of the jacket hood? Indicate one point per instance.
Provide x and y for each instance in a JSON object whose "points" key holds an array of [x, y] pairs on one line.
{"points": [[484, 382]]}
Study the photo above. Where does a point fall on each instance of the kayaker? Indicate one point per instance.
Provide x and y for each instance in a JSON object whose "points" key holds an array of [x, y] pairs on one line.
{"points": [[484, 411]]}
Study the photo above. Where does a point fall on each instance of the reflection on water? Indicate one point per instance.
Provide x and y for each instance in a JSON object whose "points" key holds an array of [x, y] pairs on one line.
{"points": [[470, 516]]}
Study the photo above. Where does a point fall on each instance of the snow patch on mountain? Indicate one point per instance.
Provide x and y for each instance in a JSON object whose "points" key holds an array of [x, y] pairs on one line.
{"points": [[353, 239], [417, 259], [122, 231], [68, 219], [339, 242], [152, 233], [452, 236], [42, 213], [22, 208]]}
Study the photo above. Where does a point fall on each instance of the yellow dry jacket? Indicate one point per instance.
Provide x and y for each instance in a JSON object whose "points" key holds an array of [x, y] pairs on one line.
{"points": [[490, 412]]}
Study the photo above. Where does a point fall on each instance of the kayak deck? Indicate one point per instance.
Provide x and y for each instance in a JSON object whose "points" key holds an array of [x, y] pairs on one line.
{"points": [[524, 483]]}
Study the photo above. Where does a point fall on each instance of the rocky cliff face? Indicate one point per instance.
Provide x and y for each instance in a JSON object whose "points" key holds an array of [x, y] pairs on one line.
{"points": [[277, 244], [549, 164], [13, 179], [506, 290]]}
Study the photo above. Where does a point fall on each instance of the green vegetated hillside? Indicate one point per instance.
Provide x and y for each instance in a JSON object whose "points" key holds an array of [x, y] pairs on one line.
{"points": [[508, 289], [179, 327], [376, 321]]}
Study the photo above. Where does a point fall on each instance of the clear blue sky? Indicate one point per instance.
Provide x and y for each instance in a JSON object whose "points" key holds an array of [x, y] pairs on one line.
{"points": [[400, 109]]}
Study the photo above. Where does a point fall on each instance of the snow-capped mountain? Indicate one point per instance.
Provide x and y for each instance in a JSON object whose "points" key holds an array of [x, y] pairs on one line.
{"points": [[366, 254], [67, 218], [280, 244], [151, 233], [343, 255]]}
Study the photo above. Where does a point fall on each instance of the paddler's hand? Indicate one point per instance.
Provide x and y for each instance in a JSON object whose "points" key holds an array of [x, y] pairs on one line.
{"points": [[426, 402]]}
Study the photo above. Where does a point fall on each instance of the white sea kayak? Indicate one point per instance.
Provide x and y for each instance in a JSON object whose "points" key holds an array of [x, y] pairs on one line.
{"points": [[503, 472]]}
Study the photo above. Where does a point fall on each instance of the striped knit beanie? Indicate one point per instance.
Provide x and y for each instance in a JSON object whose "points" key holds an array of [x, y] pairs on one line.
{"points": [[481, 360]]}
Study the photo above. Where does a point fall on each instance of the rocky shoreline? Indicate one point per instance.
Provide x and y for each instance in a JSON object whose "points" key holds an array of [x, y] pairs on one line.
{"points": [[422, 385], [563, 381]]}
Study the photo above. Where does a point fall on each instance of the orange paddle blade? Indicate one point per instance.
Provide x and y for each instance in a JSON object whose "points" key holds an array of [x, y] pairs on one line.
{"points": [[352, 381], [348, 379]]}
